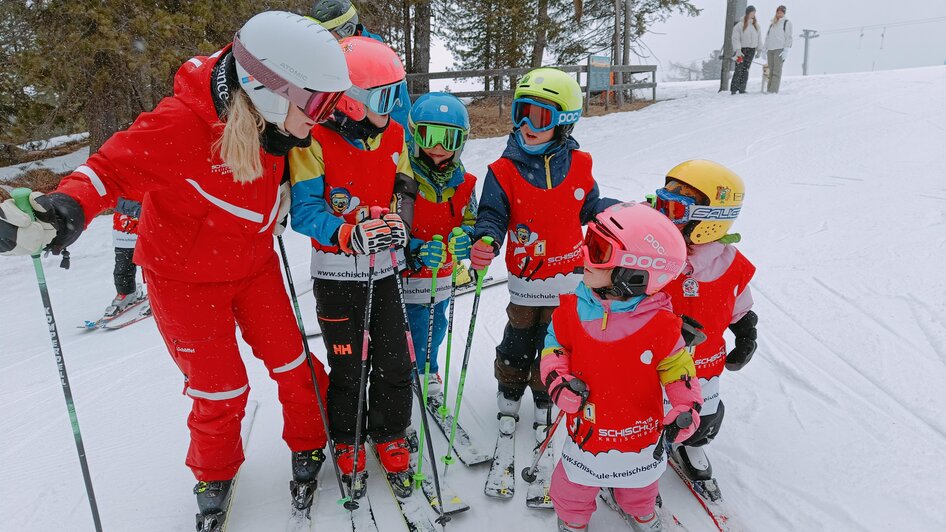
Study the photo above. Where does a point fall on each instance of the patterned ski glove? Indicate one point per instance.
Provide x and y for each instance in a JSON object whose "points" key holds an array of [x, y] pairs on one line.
{"points": [[684, 395], [481, 255], [433, 254], [460, 244], [399, 238], [20, 234], [746, 335], [365, 238]]}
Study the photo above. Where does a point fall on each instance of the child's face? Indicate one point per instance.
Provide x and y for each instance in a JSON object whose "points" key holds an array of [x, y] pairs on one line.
{"points": [[438, 154], [376, 119], [597, 278], [532, 138]]}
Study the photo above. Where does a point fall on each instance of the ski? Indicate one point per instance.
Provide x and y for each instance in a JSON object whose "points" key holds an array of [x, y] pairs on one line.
{"points": [[414, 508], [463, 446], [143, 314], [331, 515], [537, 495], [105, 320], [218, 522], [717, 510], [501, 480], [467, 288], [453, 504], [669, 521]]}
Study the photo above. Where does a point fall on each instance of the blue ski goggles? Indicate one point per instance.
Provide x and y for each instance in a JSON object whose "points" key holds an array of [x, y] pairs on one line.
{"points": [[677, 207], [541, 116], [381, 100]]}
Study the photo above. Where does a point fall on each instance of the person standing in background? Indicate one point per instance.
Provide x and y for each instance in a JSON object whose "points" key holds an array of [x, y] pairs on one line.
{"points": [[745, 40], [124, 238], [778, 42]]}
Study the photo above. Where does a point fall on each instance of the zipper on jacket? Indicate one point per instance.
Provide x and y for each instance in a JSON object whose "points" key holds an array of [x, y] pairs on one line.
{"points": [[548, 171]]}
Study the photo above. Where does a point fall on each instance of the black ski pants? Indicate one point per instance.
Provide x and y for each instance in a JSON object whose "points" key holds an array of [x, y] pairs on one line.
{"points": [[741, 75], [517, 356], [341, 311], [125, 270]]}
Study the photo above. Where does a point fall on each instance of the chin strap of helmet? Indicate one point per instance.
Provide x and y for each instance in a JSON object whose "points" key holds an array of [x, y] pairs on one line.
{"points": [[625, 284]]}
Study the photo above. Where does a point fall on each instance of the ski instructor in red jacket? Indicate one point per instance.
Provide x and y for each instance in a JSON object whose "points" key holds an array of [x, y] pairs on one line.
{"points": [[207, 165]]}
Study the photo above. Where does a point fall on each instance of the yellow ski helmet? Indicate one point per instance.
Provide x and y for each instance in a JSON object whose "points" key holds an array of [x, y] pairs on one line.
{"points": [[725, 191], [551, 84]]}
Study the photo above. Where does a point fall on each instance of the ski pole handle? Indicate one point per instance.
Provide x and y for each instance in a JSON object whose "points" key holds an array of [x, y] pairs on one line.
{"points": [[21, 197], [670, 432], [482, 274]]}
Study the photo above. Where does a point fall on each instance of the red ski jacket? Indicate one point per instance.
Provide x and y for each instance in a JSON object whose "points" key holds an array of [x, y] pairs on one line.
{"points": [[197, 224]]}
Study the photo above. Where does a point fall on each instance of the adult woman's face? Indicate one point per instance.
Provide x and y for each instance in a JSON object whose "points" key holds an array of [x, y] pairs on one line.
{"points": [[297, 123], [779, 14]]}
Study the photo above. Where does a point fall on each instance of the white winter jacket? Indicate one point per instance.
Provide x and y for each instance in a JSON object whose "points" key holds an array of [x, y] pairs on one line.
{"points": [[779, 35], [748, 38]]}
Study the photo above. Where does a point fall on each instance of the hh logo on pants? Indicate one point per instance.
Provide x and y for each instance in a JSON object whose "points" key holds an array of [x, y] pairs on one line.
{"points": [[341, 349]]}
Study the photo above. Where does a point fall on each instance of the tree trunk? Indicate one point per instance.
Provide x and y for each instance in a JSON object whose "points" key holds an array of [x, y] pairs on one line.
{"points": [[406, 30], [732, 15], [541, 33], [104, 109], [616, 45], [421, 56]]}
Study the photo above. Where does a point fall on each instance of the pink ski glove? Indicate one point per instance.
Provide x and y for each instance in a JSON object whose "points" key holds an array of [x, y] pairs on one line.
{"points": [[569, 393], [684, 395], [481, 255]]}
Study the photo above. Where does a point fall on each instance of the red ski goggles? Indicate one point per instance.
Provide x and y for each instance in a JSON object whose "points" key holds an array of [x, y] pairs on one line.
{"points": [[317, 105], [540, 116], [601, 249], [380, 100]]}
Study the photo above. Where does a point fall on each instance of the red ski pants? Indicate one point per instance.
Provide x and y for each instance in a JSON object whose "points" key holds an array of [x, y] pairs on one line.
{"points": [[198, 322]]}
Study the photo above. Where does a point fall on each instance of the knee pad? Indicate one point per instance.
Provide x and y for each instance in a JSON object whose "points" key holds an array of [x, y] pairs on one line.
{"points": [[518, 348], [709, 428]]}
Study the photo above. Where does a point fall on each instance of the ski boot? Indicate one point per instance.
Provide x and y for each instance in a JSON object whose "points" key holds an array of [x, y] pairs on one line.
{"points": [[305, 471], [345, 455], [435, 389], [568, 527], [213, 501], [395, 458], [697, 468], [508, 414], [122, 302], [542, 416], [647, 523]]}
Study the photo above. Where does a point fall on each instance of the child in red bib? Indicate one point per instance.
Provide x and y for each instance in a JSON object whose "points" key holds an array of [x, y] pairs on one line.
{"points": [[617, 339], [703, 199], [539, 193]]}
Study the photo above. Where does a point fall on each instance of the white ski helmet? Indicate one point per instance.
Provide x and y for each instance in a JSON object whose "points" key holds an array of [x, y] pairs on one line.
{"points": [[284, 52]]}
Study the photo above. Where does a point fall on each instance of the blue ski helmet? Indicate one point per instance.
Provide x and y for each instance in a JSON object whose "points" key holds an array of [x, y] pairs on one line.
{"points": [[440, 108]]}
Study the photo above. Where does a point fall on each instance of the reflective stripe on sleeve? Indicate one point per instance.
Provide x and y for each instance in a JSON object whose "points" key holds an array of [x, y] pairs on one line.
{"points": [[94, 178]]}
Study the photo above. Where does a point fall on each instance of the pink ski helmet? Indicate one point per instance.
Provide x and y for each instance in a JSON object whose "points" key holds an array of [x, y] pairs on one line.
{"points": [[376, 74], [643, 247]]}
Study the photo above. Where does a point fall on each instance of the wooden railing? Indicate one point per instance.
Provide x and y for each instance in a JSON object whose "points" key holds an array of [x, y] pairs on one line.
{"points": [[621, 80]]}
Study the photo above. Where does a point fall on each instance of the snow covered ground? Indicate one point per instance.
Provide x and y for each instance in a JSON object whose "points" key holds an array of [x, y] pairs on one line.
{"points": [[836, 425]]}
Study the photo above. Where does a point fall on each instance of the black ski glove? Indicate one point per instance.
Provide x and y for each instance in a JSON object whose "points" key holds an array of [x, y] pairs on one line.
{"points": [[66, 215], [745, 332]]}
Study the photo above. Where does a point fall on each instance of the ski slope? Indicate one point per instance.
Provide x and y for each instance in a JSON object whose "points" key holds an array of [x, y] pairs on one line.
{"points": [[836, 424]]}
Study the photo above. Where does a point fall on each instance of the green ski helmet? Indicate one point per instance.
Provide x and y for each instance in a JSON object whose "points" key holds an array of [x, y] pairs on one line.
{"points": [[551, 84], [337, 16]]}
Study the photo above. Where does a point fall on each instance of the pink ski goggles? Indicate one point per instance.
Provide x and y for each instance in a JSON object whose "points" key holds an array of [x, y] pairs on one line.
{"points": [[316, 105]]}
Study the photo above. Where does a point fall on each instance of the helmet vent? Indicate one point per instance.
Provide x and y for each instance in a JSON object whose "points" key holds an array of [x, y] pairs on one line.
{"points": [[546, 89], [615, 222]]}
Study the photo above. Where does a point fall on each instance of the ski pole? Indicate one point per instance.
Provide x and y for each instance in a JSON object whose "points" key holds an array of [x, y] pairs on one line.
{"points": [[528, 474], [419, 474], [352, 504], [417, 387], [448, 458], [670, 432], [443, 410], [21, 196], [308, 359]]}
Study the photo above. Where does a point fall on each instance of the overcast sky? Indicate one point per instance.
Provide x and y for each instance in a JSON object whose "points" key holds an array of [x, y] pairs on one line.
{"points": [[685, 39]]}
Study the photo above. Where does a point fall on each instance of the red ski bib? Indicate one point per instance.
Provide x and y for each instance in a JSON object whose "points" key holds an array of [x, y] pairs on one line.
{"points": [[711, 303], [432, 218], [624, 411], [544, 225], [355, 179]]}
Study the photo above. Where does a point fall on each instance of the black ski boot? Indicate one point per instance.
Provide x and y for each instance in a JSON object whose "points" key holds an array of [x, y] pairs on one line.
{"points": [[305, 471], [697, 468], [213, 500]]}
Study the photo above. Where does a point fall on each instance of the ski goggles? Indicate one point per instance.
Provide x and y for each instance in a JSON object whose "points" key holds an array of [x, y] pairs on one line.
{"points": [[603, 251], [381, 100], [677, 207], [429, 135], [541, 116], [317, 105]]}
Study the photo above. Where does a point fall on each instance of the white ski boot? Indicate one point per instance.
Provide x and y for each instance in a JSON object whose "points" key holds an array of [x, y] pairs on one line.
{"points": [[122, 302], [697, 468], [508, 413], [647, 523], [566, 527]]}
